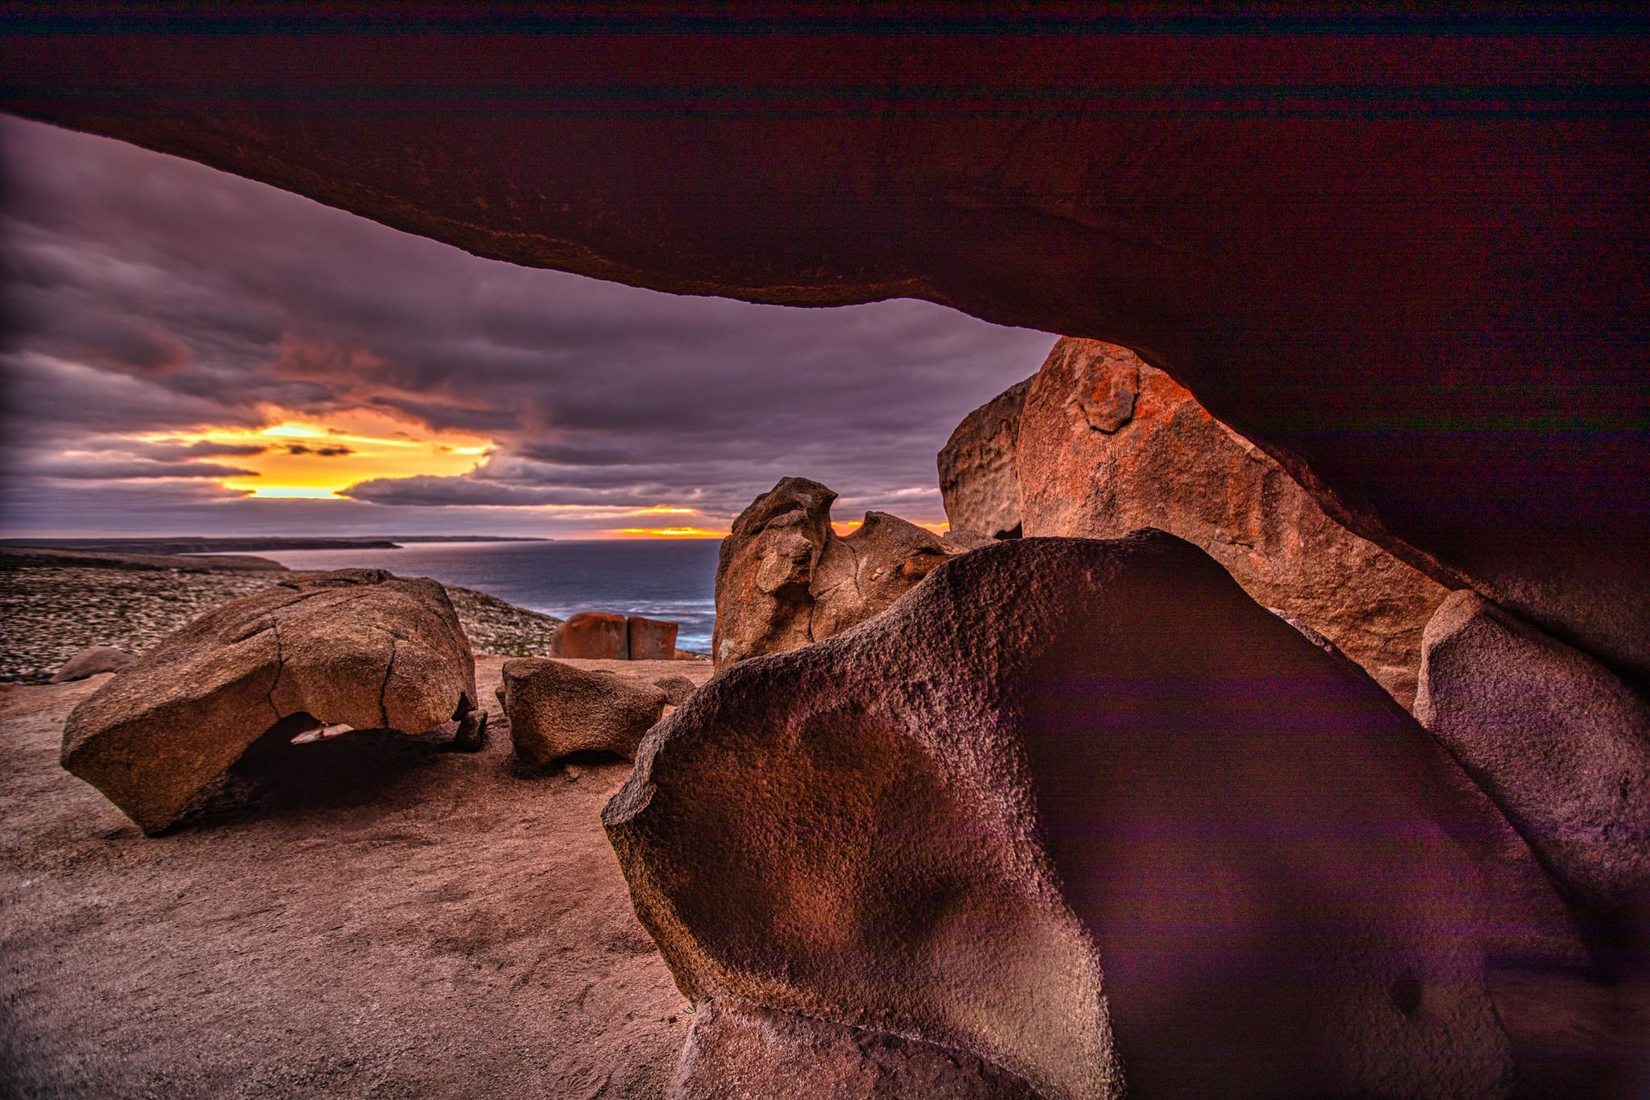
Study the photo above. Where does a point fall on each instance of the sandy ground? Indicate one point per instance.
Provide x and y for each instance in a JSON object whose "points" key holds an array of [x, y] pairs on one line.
{"points": [[394, 921]]}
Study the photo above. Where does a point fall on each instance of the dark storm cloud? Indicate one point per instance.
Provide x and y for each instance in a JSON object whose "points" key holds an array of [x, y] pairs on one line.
{"points": [[329, 451], [148, 294]]}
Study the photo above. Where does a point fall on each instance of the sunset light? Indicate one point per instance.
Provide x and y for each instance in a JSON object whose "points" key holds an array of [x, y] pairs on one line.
{"points": [[318, 457]]}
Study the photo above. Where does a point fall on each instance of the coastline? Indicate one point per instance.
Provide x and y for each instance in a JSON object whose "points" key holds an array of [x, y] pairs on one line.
{"points": [[50, 611]]}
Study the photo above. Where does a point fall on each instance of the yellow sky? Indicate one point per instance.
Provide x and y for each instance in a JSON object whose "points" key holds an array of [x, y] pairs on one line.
{"points": [[377, 444]]}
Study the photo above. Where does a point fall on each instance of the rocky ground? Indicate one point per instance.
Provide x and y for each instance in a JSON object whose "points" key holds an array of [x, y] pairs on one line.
{"points": [[390, 921], [48, 612]]}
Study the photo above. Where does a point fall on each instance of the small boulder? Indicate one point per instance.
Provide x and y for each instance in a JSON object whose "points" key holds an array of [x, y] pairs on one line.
{"points": [[739, 1051], [785, 578], [651, 639], [592, 636], [1556, 739], [677, 689], [91, 662], [359, 648], [978, 479], [556, 710]]}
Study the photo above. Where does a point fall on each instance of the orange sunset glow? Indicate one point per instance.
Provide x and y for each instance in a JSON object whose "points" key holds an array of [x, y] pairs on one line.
{"points": [[318, 457]]}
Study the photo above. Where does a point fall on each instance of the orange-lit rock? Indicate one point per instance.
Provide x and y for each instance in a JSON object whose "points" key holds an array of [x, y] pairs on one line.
{"points": [[358, 647], [650, 639], [592, 636], [556, 710], [784, 578], [1107, 445]]}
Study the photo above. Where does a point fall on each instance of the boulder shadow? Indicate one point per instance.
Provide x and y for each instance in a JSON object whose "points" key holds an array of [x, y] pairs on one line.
{"points": [[300, 766]]}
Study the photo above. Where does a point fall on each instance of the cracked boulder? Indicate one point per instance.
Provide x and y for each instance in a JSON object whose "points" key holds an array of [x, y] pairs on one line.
{"points": [[359, 648], [978, 479], [556, 710], [1083, 810], [784, 578], [1556, 739], [1107, 445]]}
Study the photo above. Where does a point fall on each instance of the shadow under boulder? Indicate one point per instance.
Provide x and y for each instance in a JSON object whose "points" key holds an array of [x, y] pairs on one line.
{"points": [[357, 648]]}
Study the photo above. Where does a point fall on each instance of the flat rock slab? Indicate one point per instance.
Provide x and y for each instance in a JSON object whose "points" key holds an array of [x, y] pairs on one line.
{"points": [[360, 648], [1062, 758], [452, 928]]}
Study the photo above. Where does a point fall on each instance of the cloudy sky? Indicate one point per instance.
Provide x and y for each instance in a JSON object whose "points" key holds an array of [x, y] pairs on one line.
{"points": [[187, 352]]}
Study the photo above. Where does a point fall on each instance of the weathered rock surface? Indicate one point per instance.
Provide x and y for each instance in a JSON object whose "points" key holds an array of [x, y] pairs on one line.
{"points": [[90, 662], [650, 639], [556, 710], [1347, 284], [978, 479], [1108, 444], [1558, 741], [592, 636], [738, 1051], [358, 647], [677, 689], [1056, 755], [784, 578]]}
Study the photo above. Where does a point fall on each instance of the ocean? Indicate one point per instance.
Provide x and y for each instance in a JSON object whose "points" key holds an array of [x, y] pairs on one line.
{"points": [[658, 578]]}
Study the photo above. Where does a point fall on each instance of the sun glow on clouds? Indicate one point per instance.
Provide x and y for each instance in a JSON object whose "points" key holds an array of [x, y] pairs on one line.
{"points": [[316, 457]]}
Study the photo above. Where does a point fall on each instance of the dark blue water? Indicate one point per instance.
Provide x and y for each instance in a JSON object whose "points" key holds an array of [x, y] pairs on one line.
{"points": [[659, 578]]}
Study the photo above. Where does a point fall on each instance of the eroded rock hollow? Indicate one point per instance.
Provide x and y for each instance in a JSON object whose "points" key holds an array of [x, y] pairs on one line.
{"points": [[358, 648], [1083, 810]]}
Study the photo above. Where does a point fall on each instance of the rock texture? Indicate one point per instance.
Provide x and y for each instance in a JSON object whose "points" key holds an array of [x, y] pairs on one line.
{"points": [[1559, 743], [677, 689], [359, 648], [1108, 444], [650, 639], [737, 1051], [978, 479], [1057, 755], [91, 662], [556, 710], [784, 578], [592, 636], [1331, 252]]}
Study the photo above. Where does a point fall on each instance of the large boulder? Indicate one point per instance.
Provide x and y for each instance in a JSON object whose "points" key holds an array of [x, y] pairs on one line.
{"points": [[784, 578], [359, 648], [978, 480], [738, 1051], [1058, 755], [592, 636], [556, 710], [1108, 444], [91, 662], [1557, 740]]}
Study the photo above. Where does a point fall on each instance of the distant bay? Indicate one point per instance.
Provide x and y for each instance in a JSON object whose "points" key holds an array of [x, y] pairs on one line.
{"points": [[658, 578]]}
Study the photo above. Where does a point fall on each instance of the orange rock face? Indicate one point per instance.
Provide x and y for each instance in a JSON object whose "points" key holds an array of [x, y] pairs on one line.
{"points": [[1108, 445], [593, 636], [784, 578], [651, 639]]}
